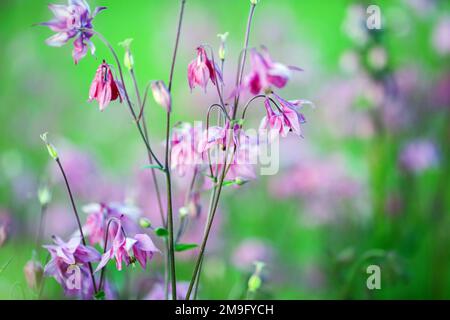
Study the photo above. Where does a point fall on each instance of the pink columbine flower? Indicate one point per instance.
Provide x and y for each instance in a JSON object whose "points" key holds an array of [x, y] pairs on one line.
{"points": [[143, 249], [73, 20], [119, 248], [286, 119], [104, 88], [266, 73], [65, 254], [184, 153], [202, 69]]}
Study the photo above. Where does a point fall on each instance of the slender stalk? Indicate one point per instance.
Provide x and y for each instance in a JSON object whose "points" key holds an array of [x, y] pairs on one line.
{"points": [[80, 228], [167, 163], [41, 227], [244, 57], [150, 159]]}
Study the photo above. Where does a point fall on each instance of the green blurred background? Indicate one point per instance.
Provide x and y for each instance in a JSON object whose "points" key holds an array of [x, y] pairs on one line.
{"points": [[367, 185]]}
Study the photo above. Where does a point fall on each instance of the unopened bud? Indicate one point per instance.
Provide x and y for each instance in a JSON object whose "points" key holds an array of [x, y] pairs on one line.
{"points": [[239, 181], [145, 223], [162, 95], [33, 274], [44, 195], [183, 211], [223, 39], [254, 283], [50, 148], [254, 2], [128, 60]]}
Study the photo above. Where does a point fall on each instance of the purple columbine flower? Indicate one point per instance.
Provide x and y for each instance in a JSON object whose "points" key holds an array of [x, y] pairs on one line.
{"points": [[266, 73], [72, 21], [66, 254], [202, 69]]}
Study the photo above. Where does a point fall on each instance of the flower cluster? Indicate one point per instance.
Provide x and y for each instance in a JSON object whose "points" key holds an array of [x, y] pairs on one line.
{"points": [[106, 226], [221, 154]]}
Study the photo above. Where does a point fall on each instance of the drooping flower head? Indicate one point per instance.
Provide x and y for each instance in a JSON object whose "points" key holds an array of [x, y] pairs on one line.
{"points": [[286, 119], [104, 88], [202, 69], [125, 249], [119, 247], [143, 249], [265, 73], [72, 21]]}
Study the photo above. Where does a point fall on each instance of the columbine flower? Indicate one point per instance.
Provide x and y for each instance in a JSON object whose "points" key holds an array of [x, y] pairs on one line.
{"points": [[73, 20], [266, 73], [202, 69], [66, 254], [184, 153], [143, 249], [285, 120], [119, 249], [162, 95], [104, 88]]}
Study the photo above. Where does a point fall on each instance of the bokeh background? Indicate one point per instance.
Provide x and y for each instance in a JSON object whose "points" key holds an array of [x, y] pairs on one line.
{"points": [[368, 183]]}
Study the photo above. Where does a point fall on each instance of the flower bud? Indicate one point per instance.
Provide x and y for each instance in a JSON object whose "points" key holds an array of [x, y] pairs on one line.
{"points": [[33, 273], [254, 283], [128, 60], [254, 2], [223, 39], [44, 195], [50, 148], [145, 223], [162, 95], [183, 211]]}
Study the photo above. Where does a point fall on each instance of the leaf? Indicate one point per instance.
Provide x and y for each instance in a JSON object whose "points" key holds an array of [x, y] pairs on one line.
{"points": [[153, 166], [100, 295], [161, 232], [185, 246]]}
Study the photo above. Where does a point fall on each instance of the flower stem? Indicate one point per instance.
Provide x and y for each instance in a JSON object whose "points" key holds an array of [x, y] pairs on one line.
{"points": [[167, 163], [244, 57], [80, 228], [155, 181]]}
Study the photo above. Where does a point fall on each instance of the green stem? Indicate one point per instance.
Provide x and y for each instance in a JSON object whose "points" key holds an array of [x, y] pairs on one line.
{"points": [[167, 164], [80, 228]]}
